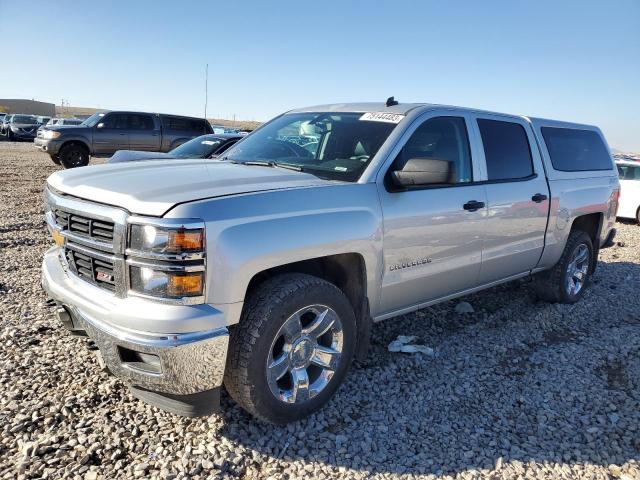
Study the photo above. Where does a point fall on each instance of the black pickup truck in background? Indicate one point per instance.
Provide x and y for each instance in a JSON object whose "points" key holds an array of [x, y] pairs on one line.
{"points": [[103, 133]]}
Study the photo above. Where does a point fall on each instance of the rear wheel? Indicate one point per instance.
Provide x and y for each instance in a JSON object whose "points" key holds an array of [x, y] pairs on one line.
{"points": [[292, 348], [73, 155], [567, 280]]}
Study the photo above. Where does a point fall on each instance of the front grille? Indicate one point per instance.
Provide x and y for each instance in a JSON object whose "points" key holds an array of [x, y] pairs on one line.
{"points": [[91, 269], [83, 226]]}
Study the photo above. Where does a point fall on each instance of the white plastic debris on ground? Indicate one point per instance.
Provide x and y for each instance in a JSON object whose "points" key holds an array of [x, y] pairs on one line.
{"points": [[464, 307], [404, 343]]}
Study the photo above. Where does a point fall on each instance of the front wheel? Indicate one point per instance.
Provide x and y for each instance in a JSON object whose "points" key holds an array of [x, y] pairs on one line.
{"points": [[291, 349], [73, 155], [567, 280]]}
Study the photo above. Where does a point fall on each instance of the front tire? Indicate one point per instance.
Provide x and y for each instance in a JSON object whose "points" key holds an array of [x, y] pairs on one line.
{"points": [[567, 280], [73, 155], [291, 349]]}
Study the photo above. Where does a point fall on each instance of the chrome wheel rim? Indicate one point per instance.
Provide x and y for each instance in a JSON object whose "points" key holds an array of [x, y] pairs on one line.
{"points": [[577, 269], [305, 354]]}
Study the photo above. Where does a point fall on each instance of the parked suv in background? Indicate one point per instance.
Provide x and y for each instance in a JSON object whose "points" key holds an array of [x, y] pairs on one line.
{"points": [[102, 134], [21, 127], [629, 173], [63, 121], [265, 269]]}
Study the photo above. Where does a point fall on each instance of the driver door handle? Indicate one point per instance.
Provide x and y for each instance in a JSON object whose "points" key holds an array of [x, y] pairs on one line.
{"points": [[539, 197], [473, 205]]}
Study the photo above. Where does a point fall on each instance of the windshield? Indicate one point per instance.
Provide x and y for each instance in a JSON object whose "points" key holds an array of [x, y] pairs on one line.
{"points": [[200, 147], [331, 145], [26, 119], [93, 120]]}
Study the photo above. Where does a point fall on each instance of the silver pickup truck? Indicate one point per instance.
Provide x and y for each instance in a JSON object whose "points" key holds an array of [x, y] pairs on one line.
{"points": [[264, 270]]}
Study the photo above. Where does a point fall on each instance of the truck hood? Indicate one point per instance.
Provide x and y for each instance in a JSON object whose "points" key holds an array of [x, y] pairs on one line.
{"points": [[154, 187]]}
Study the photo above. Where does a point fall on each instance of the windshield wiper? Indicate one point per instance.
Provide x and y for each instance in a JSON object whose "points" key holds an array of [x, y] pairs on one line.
{"points": [[267, 163]]}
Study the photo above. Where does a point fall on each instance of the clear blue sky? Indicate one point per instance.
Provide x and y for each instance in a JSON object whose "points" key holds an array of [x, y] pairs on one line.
{"points": [[570, 60]]}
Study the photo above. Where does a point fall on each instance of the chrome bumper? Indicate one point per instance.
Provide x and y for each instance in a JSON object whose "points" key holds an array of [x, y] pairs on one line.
{"points": [[182, 363]]}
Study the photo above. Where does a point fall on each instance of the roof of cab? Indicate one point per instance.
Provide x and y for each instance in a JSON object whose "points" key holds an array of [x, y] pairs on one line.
{"points": [[402, 108], [405, 108]]}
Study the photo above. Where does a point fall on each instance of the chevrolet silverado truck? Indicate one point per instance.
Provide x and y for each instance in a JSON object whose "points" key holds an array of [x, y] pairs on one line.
{"points": [[264, 270], [104, 133]]}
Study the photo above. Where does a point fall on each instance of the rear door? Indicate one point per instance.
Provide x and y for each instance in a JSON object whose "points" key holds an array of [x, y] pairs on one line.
{"points": [[517, 195], [433, 234], [111, 134], [144, 132]]}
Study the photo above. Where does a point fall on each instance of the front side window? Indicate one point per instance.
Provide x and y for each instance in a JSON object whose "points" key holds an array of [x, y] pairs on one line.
{"points": [[118, 121], [441, 138], [331, 145], [575, 150], [506, 150]]}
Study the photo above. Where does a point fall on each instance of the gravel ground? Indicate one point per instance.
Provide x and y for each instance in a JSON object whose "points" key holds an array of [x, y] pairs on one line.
{"points": [[516, 389]]}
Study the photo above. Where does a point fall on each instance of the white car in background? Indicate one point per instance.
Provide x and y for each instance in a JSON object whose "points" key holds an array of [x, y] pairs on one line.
{"points": [[629, 173]]}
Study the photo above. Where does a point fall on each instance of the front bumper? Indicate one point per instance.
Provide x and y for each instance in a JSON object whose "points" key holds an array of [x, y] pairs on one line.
{"points": [[23, 135], [169, 364], [52, 147]]}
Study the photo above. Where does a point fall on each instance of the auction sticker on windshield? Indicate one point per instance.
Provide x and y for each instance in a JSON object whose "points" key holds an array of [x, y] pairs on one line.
{"points": [[382, 117]]}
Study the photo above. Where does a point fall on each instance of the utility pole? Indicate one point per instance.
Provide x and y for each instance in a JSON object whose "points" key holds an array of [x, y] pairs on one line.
{"points": [[206, 89]]}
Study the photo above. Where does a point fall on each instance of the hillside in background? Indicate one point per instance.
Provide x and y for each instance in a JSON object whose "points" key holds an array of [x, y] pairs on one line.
{"points": [[85, 111]]}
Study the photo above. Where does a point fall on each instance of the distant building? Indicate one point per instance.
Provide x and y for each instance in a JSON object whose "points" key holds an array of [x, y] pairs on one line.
{"points": [[29, 107]]}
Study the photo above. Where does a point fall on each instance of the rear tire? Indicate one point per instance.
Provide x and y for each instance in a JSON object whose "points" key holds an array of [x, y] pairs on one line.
{"points": [[290, 326], [55, 159], [567, 280], [73, 155]]}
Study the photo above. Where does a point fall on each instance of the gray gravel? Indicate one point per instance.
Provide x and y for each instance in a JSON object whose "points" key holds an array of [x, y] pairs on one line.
{"points": [[516, 389]]}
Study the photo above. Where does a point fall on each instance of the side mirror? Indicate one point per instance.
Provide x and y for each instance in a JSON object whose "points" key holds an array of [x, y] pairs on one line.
{"points": [[422, 171], [100, 125]]}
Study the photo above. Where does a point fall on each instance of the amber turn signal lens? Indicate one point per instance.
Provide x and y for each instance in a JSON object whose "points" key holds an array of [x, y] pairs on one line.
{"points": [[185, 240], [187, 285]]}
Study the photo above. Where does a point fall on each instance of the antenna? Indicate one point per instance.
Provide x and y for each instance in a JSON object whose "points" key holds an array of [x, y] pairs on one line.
{"points": [[391, 102], [206, 89]]}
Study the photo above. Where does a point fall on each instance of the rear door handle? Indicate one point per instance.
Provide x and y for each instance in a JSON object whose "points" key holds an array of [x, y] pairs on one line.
{"points": [[539, 197], [473, 205]]}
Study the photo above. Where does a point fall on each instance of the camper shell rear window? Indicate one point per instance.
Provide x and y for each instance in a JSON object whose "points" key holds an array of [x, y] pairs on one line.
{"points": [[575, 150]]}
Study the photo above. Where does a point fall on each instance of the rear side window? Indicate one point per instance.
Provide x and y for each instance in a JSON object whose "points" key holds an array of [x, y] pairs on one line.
{"points": [[573, 150], [506, 149], [185, 124], [141, 122]]}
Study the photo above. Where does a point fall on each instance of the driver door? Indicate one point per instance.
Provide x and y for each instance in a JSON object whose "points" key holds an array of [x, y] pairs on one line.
{"points": [[111, 134], [433, 235]]}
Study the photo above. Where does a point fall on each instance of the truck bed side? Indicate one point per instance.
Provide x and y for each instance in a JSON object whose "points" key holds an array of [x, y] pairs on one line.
{"points": [[575, 194]]}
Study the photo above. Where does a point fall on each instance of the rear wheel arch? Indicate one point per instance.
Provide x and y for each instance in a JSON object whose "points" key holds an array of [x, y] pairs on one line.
{"points": [[591, 224]]}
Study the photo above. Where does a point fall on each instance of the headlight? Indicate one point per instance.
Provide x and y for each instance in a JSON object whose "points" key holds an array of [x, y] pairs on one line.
{"points": [[166, 240], [164, 284], [50, 134], [166, 259]]}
